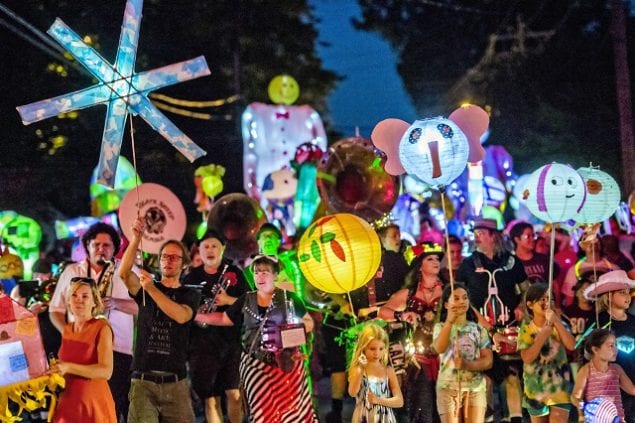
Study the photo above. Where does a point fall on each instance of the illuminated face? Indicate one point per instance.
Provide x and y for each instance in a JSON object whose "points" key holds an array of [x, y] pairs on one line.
{"points": [[484, 240], [82, 302], [555, 193], [431, 265], [265, 278], [211, 251], [101, 248], [171, 261], [456, 255], [608, 350], [391, 240], [460, 300], [268, 243], [375, 350], [527, 240], [540, 306], [621, 299], [284, 89]]}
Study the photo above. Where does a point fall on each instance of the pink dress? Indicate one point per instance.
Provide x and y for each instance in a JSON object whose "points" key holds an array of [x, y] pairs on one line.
{"points": [[605, 385], [84, 400]]}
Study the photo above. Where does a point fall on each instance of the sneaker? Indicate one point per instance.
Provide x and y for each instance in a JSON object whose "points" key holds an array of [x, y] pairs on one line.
{"points": [[489, 415]]}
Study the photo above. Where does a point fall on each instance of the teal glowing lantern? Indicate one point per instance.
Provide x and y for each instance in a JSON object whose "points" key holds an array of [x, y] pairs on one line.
{"points": [[554, 193], [434, 150], [603, 196]]}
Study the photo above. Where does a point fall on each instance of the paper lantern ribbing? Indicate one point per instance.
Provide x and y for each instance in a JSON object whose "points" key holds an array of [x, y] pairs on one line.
{"points": [[339, 253], [603, 196], [434, 150], [554, 193]]}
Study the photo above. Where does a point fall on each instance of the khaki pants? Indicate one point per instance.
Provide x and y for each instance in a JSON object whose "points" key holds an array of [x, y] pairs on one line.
{"points": [[167, 402]]}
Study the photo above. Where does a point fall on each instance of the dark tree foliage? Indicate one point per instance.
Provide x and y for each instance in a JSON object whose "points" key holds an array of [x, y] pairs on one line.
{"points": [[544, 67], [246, 43]]}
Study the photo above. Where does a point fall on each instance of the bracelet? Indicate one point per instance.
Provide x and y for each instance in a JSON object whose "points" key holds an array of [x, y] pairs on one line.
{"points": [[397, 315]]}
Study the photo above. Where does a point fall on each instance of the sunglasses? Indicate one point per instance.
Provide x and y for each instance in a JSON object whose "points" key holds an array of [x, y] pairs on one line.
{"points": [[80, 279], [264, 256]]}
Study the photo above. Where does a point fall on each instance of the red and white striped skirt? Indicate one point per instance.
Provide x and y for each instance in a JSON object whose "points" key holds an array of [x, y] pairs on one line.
{"points": [[274, 396]]}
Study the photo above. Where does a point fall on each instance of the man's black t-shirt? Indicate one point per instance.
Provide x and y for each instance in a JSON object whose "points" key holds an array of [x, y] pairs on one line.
{"points": [[162, 343], [507, 279], [388, 280], [537, 268]]}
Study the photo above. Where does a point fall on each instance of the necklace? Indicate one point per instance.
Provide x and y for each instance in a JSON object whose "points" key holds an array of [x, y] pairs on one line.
{"points": [[256, 315]]}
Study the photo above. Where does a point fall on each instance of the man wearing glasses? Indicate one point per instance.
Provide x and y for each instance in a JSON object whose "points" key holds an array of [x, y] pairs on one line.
{"points": [[215, 351], [159, 389], [101, 242], [536, 265]]}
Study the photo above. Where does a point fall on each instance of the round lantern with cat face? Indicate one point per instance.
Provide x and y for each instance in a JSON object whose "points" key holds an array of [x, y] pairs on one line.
{"points": [[555, 193], [434, 150]]}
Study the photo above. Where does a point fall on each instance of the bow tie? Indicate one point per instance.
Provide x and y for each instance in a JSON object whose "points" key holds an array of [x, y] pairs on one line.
{"points": [[284, 115]]}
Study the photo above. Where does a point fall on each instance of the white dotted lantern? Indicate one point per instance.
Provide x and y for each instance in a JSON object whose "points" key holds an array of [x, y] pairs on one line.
{"points": [[434, 150]]}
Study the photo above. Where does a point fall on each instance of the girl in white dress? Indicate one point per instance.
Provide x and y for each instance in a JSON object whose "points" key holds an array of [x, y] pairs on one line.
{"points": [[371, 380]]}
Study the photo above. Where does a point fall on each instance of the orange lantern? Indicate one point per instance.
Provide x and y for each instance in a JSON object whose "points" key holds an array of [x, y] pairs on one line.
{"points": [[339, 253]]}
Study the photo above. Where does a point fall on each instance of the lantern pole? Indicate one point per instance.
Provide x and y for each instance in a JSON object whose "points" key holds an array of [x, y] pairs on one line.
{"points": [[447, 239], [552, 247]]}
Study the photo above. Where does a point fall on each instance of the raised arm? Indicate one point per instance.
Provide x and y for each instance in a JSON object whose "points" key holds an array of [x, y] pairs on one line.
{"points": [[127, 261], [530, 354]]}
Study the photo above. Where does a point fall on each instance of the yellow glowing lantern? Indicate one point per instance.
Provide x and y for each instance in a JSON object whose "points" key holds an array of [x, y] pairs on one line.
{"points": [[339, 253]]}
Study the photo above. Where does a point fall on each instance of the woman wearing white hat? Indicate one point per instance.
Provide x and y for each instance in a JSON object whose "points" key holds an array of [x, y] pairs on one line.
{"points": [[613, 294]]}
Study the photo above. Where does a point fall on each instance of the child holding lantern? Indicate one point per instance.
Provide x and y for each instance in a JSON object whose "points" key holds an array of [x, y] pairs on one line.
{"points": [[464, 350], [542, 341], [612, 293]]}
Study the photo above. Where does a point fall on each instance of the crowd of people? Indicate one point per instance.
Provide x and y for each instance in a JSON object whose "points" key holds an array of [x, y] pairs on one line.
{"points": [[438, 335]]}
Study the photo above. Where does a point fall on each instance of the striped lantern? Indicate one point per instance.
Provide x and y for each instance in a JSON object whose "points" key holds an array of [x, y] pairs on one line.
{"points": [[603, 196], [554, 193]]}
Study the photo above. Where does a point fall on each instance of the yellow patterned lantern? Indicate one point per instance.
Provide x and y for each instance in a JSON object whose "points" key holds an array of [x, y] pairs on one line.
{"points": [[339, 253]]}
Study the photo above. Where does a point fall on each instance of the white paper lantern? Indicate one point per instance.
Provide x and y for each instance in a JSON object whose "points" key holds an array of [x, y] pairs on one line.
{"points": [[603, 196], [434, 150], [555, 193]]}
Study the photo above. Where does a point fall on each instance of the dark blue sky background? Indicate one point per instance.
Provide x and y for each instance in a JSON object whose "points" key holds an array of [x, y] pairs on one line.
{"points": [[372, 90]]}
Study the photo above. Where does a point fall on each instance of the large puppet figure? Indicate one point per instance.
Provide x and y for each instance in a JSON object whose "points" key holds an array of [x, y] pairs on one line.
{"points": [[272, 132]]}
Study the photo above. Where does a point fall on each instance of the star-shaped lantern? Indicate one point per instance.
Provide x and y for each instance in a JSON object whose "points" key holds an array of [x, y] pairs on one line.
{"points": [[121, 89]]}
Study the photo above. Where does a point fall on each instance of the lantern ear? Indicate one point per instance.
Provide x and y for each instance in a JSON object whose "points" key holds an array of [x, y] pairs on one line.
{"points": [[386, 136], [474, 122]]}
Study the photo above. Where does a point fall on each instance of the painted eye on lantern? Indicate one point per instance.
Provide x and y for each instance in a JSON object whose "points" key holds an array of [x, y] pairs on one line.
{"points": [[572, 182], [556, 180]]}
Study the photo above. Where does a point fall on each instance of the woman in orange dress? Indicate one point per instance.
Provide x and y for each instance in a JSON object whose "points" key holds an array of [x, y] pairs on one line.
{"points": [[85, 359]]}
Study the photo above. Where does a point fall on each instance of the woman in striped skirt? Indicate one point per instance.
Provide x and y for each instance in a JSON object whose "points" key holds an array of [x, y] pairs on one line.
{"points": [[272, 374]]}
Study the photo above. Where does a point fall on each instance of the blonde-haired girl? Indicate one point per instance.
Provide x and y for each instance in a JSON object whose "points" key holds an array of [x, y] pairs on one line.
{"points": [[371, 380]]}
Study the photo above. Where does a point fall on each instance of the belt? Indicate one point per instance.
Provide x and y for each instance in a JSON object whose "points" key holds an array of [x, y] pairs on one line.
{"points": [[158, 378]]}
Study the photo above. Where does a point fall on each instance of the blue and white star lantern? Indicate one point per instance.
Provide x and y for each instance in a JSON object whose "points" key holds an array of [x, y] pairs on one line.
{"points": [[121, 89]]}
